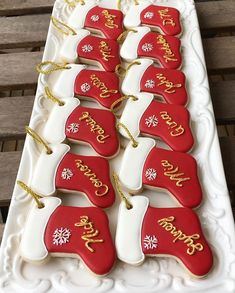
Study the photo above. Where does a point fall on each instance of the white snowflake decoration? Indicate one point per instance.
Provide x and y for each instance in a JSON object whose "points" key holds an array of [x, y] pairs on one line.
{"points": [[85, 87], [150, 242], [149, 15], [66, 174], [151, 121], [95, 18], [147, 47], [87, 48], [61, 236], [150, 84], [151, 174], [73, 127]]}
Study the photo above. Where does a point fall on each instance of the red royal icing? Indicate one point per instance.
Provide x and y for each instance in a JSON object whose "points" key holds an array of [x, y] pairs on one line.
{"points": [[98, 85], [168, 83], [170, 123], [176, 172], [93, 126], [101, 50], [165, 18], [66, 220], [164, 49], [199, 261], [87, 174], [108, 21]]}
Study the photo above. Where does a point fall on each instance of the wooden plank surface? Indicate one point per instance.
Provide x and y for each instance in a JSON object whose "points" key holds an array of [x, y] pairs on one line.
{"points": [[23, 31], [15, 113], [1, 231], [18, 70], [19, 7]]}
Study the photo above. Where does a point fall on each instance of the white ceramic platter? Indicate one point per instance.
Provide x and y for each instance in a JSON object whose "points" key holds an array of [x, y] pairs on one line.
{"points": [[156, 274]]}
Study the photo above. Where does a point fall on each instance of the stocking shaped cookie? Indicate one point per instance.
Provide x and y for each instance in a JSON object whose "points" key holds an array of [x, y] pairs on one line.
{"points": [[87, 84], [168, 84], [79, 124], [160, 18], [152, 167], [68, 172], [104, 21], [165, 50], [149, 117], [144, 230], [90, 50], [66, 231]]}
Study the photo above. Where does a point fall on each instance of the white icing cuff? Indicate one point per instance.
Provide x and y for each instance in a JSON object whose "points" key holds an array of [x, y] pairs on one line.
{"points": [[131, 82], [132, 164], [68, 51], [54, 130], [128, 234], [129, 48], [43, 181], [132, 17], [63, 87], [78, 16], [133, 112], [32, 246]]}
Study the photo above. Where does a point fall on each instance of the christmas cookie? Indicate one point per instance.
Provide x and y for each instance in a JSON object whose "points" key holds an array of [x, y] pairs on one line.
{"points": [[165, 50], [176, 232], [68, 172], [168, 84], [164, 19], [87, 84], [90, 49], [104, 21], [79, 124], [81, 232], [148, 117], [149, 166]]}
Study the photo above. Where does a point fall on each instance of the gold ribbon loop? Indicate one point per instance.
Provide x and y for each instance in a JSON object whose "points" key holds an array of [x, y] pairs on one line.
{"points": [[124, 34], [35, 196], [123, 98], [72, 4], [41, 67], [121, 71], [120, 193], [50, 96], [134, 142], [38, 139], [119, 3], [62, 27]]}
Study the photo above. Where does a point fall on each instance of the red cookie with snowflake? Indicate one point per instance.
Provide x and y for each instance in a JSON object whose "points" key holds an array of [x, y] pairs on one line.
{"points": [[164, 50], [89, 49], [80, 233], [174, 232], [104, 21], [168, 84], [164, 19], [149, 166], [69, 172], [148, 117]]}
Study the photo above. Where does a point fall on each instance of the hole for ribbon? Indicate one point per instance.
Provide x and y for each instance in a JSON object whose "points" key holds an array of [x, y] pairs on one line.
{"points": [[35, 196]]}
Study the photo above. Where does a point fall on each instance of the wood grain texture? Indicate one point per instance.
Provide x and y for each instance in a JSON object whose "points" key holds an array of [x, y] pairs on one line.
{"points": [[18, 70], [23, 31], [15, 113], [219, 53], [19, 7], [10, 161], [223, 98]]}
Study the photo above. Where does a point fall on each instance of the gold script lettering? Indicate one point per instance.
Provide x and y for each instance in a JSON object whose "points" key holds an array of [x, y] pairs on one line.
{"points": [[177, 129], [105, 91], [110, 19], [167, 19], [169, 55], [94, 127], [105, 50], [89, 233], [102, 189], [173, 173], [170, 86], [193, 247]]}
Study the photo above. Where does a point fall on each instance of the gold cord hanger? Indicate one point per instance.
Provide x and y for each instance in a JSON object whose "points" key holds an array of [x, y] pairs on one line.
{"points": [[41, 67], [123, 98], [62, 27], [35, 196], [124, 34], [121, 71], [72, 4], [51, 97], [134, 142], [120, 193]]}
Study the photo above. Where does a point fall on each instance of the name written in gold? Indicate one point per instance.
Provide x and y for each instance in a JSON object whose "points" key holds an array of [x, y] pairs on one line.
{"points": [[168, 55], [166, 18], [169, 85], [105, 91], [110, 19], [178, 235], [89, 233], [105, 50], [175, 129]]}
